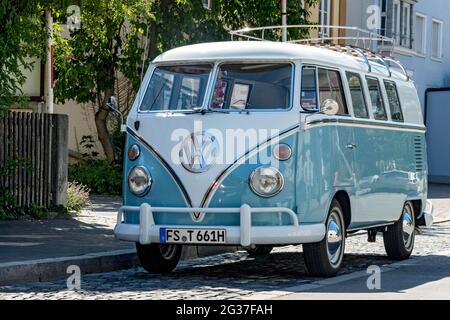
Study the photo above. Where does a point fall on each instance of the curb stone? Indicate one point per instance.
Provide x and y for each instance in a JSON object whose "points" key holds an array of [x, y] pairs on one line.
{"points": [[42, 270]]}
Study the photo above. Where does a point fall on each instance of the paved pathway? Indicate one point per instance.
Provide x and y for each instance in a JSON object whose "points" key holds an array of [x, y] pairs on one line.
{"points": [[89, 232]]}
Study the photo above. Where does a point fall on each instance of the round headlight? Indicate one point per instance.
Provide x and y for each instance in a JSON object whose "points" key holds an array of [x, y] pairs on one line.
{"points": [[282, 152], [139, 180], [134, 152], [266, 181]]}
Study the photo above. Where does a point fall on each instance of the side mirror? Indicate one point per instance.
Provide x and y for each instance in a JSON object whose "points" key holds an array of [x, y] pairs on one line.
{"points": [[330, 107], [113, 106]]}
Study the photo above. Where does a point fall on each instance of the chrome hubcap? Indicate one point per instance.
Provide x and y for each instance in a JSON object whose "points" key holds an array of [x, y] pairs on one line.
{"points": [[167, 251], [408, 227], [334, 238]]}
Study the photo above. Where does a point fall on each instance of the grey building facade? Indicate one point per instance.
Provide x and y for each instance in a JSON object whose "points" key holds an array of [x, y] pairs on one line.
{"points": [[421, 30]]}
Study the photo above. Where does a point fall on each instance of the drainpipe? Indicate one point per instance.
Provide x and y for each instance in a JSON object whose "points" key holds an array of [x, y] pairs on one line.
{"points": [[49, 62], [284, 20]]}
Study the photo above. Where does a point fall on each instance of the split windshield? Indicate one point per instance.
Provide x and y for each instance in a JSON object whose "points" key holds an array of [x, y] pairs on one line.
{"points": [[252, 86], [176, 88], [259, 86]]}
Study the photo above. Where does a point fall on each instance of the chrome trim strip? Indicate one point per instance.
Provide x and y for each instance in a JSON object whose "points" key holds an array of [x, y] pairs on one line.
{"points": [[370, 227], [216, 182], [368, 124], [164, 164]]}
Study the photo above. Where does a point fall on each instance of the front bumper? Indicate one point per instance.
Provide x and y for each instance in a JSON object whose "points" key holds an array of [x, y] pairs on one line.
{"points": [[245, 234]]}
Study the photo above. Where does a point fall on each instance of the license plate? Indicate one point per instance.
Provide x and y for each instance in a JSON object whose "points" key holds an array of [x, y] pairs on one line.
{"points": [[192, 236]]}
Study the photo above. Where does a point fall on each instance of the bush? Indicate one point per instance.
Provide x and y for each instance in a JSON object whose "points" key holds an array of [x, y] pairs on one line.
{"points": [[100, 176], [77, 197]]}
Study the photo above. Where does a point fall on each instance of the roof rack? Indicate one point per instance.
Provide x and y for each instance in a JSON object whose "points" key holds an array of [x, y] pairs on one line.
{"points": [[368, 45]]}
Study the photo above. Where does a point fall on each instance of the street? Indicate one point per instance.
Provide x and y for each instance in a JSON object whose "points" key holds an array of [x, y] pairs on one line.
{"points": [[281, 275]]}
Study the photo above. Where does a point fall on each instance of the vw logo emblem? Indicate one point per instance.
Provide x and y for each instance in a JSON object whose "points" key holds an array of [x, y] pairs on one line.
{"points": [[198, 152]]}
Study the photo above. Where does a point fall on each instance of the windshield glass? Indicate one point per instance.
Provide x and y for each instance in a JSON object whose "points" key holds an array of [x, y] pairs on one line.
{"points": [[256, 86], [176, 88]]}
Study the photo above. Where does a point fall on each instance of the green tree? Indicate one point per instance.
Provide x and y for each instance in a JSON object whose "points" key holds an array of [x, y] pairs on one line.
{"points": [[118, 35], [21, 36], [87, 62]]}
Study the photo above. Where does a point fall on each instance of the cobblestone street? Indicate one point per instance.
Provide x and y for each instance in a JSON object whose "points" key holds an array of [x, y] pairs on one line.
{"points": [[227, 276]]}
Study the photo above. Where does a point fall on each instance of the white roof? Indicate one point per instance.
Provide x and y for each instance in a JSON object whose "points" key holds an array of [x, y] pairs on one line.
{"points": [[255, 50]]}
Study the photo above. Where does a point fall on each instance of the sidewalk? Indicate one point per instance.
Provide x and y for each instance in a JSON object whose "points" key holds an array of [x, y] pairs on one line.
{"points": [[90, 232], [42, 250]]}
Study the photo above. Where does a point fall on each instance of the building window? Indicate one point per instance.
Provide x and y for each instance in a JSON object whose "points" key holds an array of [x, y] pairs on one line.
{"points": [[396, 22], [406, 25], [421, 34], [383, 17], [207, 4], [436, 39], [324, 17], [401, 22]]}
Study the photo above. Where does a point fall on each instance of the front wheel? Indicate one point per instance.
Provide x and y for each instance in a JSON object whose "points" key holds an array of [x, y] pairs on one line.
{"points": [[399, 237], [324, 258], [158, 258]]}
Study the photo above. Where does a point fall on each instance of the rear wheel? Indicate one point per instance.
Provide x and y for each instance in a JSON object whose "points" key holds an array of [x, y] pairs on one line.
{"points": [[399, 237], [260, 250], [324, 258], [158, 258]]}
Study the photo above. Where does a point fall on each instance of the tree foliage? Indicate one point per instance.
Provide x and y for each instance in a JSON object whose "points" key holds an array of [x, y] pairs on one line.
{"points": [[21, 36], [117, 37]]}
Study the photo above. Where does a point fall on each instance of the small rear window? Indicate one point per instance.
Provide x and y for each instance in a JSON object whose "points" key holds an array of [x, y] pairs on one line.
{"points": [[379, 113], [394, 101], [357, 94]]}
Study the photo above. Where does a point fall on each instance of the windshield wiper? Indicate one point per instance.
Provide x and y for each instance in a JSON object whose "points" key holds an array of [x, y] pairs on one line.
{"points": [[204, 111]]}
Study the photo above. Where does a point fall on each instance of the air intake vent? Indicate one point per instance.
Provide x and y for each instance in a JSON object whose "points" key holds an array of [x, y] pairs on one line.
{"points": [[418, 153]]}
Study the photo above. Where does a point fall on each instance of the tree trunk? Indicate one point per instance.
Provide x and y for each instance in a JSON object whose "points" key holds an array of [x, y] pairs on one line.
{"points": [[102, 129], [103, 134]]}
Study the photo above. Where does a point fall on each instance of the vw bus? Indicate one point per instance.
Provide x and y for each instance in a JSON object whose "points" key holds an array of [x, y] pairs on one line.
{"points": [[260, 144]]}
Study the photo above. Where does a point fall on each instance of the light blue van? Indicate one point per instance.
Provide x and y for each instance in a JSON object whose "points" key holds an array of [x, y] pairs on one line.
{"points": [[262, 144]]}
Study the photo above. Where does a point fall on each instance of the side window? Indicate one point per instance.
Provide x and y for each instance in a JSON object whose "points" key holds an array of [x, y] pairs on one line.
{"points": [[357, 94], [330, 87], [394, 101], [309, 88], [376, 97]]}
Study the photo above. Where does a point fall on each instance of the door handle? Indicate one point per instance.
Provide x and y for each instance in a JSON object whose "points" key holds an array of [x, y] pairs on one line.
{"points": [[351, 146]]}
